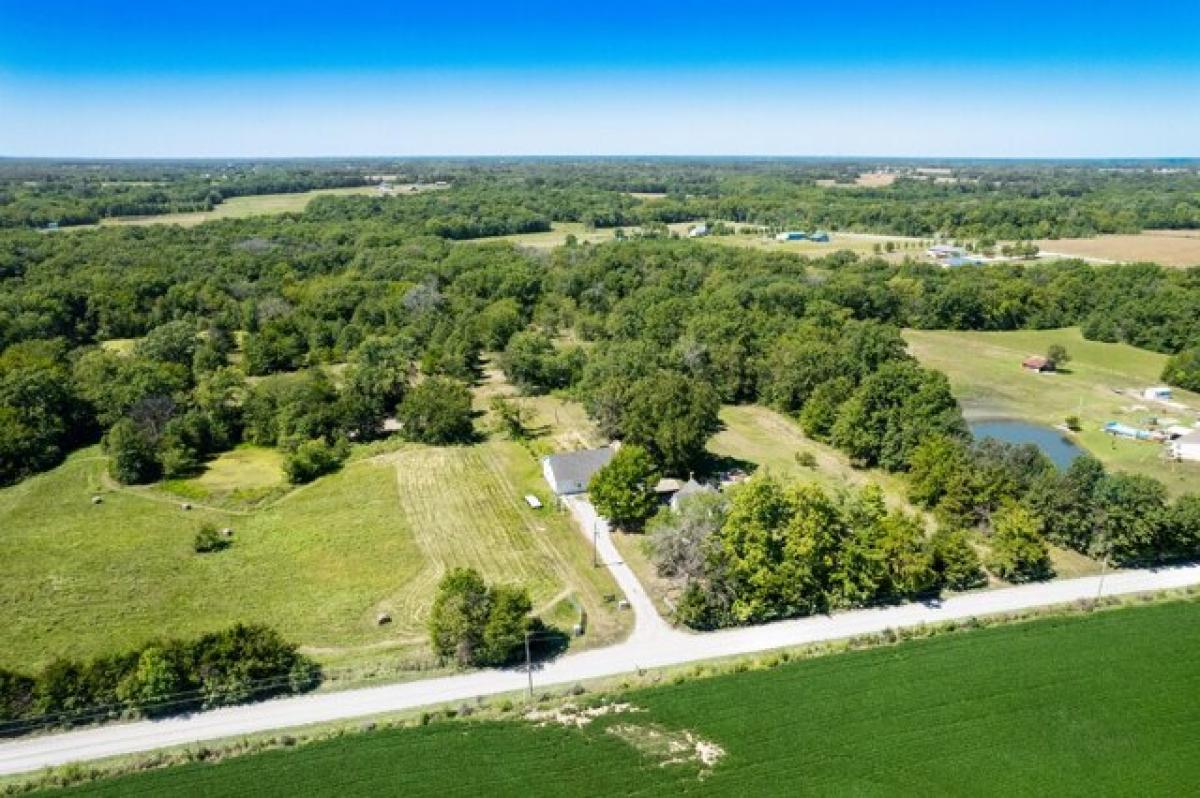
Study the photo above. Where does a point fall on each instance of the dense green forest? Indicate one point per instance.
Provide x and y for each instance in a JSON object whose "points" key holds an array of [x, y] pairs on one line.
{"points": [[1001, 200], [172, 344], [37, 194]]}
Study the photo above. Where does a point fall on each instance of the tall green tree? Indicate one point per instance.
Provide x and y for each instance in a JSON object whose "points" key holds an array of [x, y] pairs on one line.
{"points": [[623, 490], [672, 416], [1019, 550], [437, 410], [459, 614]]}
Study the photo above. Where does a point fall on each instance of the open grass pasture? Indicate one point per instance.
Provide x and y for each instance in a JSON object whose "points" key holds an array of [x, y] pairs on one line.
{"points": [[1103, 382], [246, 475], [556, 424], [241, 207], [860, 243], [557, 236], [1179, 248], [771, 441], [317, 562], [1101, 704]]}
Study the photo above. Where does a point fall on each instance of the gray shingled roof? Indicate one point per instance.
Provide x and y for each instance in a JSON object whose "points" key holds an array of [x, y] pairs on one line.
{"points": [[579, 466], [692, 487]]}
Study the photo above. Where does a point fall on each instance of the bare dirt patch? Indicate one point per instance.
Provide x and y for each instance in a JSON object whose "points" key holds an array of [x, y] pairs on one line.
{"points": [[865, 180], [572, 715], [669, 747]]}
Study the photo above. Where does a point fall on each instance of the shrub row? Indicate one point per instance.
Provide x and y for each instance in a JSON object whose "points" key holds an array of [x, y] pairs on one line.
{"points": [[239, 664]]}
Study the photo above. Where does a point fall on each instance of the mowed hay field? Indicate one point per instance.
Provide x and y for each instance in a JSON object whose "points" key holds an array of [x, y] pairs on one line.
{"points": [[1101, 704], [241, 207], [318, 563], [1103, 382], [1168, 247]]}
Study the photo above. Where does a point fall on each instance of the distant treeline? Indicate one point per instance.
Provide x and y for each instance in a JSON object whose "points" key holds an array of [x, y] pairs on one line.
{"points": [[166, 677], [997, 200], [74, 197]]}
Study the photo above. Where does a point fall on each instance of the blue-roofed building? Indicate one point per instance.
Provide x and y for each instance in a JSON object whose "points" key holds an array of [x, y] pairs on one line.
{"points": [[820, 236], [791, 235]]}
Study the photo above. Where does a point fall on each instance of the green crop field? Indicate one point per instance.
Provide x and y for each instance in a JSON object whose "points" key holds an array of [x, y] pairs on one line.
{"points": [[1103, 382], [1102, 704], [319, 562]]}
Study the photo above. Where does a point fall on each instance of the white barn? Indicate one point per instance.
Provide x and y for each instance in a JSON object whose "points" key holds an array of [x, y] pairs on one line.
{"points": [[1186, 447], [1157, 393], [570, 473]]}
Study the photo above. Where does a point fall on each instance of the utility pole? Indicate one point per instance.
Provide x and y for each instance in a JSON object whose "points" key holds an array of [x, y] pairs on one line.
{"points": [[529, 665]]}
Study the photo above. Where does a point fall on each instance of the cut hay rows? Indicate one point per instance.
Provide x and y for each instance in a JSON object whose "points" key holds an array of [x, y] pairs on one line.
{"points": [[463, 512]]}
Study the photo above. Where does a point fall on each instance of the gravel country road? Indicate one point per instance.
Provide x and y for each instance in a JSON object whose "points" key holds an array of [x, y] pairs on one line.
{"points": [[652, 644]]}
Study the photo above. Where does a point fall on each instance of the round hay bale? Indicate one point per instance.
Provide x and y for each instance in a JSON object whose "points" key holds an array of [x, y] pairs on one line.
{"points": [[383, 619], [227, 532], [185, 506], [97, 499]]}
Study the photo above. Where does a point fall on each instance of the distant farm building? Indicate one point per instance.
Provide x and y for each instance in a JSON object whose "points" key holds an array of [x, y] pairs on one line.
{"points": [[1125, 431], [945, 251], [1157, 393], [791, 235], [699, 231], [1186, 447], [957, 261], [820, 236], [1037, 363], [570, 473]]}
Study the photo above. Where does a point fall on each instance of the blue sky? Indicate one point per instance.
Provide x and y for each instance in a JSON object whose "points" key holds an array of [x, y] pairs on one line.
{"points": [[1018, 78]]}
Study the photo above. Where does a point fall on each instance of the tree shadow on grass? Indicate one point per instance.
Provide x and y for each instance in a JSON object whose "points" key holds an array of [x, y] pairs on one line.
{"points": [[546, 644], [715, 465]]}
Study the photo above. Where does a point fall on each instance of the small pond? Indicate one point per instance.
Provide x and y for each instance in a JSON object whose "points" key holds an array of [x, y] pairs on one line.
{"points": [[1056, 446]]}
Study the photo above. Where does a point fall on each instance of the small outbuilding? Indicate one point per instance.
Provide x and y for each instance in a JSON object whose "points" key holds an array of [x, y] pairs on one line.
{"points": [[791, 235], [943, 251], [820, 237], [699, 231], [569, 473], [1186, 447], [1037, 363], [1157, 393]]}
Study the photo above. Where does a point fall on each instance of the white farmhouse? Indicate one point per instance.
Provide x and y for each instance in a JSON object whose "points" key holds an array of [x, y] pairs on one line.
{"points": [[570, 473]]}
